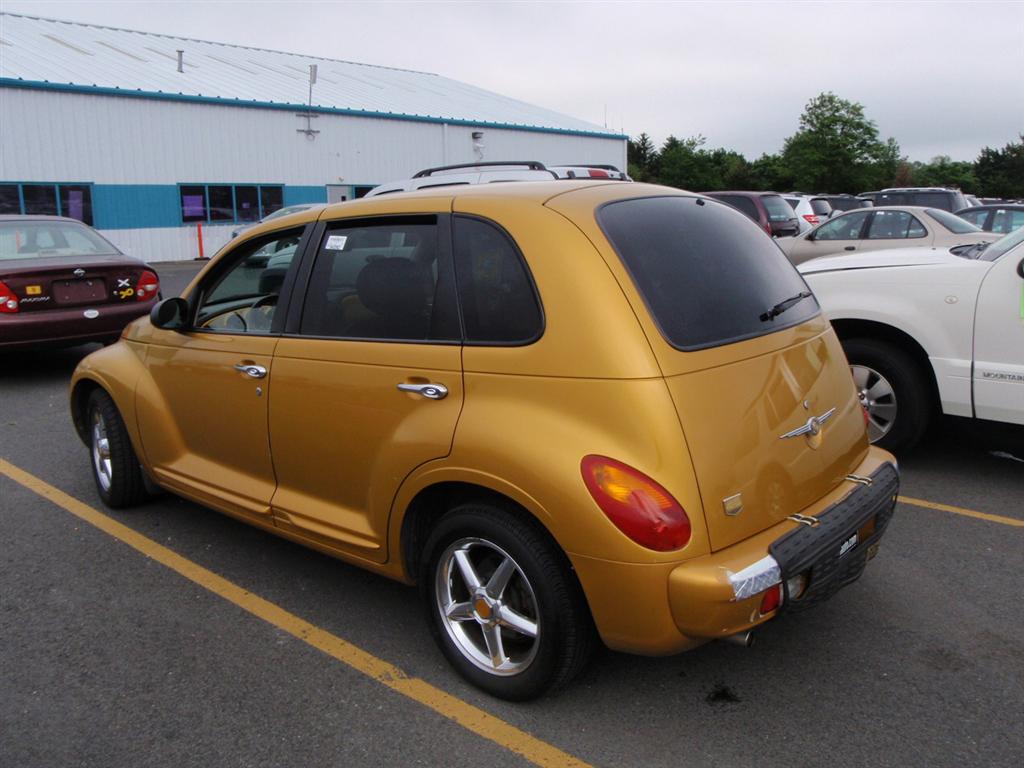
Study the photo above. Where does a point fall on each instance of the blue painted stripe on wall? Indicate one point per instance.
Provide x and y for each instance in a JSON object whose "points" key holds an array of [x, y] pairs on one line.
{"points": [[46, 85], [135, 206], [296, 195]]}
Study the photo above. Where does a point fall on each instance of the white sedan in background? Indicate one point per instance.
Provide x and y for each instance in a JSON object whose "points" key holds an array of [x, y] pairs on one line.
{"points": [[929, 330], [875, 229]]}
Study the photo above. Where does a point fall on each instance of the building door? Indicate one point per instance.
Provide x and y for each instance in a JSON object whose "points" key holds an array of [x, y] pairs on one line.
{"points": [[338, 193]]}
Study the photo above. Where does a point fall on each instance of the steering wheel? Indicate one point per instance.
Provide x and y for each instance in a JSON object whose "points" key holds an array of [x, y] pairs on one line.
{"points": [[269, 300]]}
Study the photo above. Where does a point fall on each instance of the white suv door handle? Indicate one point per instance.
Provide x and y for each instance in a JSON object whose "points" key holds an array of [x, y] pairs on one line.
{"points": [[432, 391], [253, 371]]}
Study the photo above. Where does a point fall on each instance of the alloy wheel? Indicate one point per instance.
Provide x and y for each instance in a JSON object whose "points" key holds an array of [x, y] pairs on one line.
{"points": [[878, 398]]}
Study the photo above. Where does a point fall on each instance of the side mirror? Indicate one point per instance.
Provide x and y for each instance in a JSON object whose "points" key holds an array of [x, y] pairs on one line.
{"points": [[170, 314], [1020, 267]]}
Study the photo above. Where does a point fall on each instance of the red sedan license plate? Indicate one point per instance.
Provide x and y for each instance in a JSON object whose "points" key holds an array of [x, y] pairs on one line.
{"points": [[79, 291]]}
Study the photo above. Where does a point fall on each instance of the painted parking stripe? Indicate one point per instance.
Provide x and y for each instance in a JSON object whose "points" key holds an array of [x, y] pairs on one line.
{"points": [[463, 713], [961, 511]]}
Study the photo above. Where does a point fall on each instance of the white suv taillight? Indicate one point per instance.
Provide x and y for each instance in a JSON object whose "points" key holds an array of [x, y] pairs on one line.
{"points": [[812, 219]]}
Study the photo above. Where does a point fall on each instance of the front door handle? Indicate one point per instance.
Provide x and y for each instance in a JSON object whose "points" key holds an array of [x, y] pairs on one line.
{"points": [[253, 371], [850, 248], [432, 391]]}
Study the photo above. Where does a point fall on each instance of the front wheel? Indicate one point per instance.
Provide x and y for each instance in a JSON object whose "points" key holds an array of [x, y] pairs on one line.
{"points": [[502, 604], [892, 389], [115, 467]]}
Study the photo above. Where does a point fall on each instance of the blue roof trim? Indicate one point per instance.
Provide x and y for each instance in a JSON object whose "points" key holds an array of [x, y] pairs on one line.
{"points": [[44, 85]]}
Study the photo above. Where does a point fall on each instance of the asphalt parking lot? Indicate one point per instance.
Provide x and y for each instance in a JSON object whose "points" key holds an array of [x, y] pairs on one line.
{"points": [[174, 636]]}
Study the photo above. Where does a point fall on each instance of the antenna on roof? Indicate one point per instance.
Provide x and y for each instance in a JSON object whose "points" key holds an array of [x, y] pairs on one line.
{"points": [[308, 130]]}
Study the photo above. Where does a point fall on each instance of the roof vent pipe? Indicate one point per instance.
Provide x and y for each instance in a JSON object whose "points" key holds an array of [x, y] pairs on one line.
{"points": [[181, 60]]}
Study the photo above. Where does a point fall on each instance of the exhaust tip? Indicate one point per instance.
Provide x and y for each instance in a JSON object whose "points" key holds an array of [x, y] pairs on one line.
{"points": [[742, 639]]}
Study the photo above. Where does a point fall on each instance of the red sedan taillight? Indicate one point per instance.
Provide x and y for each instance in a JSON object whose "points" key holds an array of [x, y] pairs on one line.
{"points": [[812, 219], [8, 301], [147, 286], [638, 506]]}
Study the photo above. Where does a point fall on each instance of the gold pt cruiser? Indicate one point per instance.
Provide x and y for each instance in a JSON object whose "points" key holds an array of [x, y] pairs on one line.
{"points": [[566, 410]]}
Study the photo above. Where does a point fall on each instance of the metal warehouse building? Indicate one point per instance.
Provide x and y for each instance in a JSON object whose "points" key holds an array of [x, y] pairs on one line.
{"points": [[146, 136]]}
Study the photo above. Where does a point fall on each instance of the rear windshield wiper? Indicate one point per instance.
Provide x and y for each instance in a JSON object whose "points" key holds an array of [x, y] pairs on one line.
{"points": [[783, 305]]}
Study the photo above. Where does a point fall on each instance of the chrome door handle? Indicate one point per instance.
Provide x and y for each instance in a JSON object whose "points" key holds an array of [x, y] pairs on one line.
{"points": [[432, 391], [253, 371]]}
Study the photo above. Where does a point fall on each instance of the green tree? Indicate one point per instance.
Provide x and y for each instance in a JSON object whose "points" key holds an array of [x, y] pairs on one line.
{"points": [[943, 171], [1000, 172], [641, 158], [837, 149]]}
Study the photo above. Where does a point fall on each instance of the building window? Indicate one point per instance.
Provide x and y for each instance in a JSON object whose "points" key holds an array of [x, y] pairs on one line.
{"points": [[40, 199], [228, 202]]}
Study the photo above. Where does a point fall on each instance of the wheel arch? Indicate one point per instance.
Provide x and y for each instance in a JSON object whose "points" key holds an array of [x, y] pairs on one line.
{"points": [[852, 328], [431, 501]]}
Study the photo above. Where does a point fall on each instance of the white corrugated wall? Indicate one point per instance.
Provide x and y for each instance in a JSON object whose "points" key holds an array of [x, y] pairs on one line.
{"points": [[55, 136]]}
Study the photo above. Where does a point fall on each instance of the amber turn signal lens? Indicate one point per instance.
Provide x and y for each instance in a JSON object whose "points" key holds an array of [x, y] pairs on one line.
{"points": [[638, 506]]}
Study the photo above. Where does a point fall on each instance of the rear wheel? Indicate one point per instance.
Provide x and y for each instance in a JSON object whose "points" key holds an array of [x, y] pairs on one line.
{"points": [[894, 391], [115, 467], [502, 604]]}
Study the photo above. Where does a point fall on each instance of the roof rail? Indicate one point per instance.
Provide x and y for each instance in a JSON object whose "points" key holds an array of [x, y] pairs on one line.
{"points": [[532, 165]]}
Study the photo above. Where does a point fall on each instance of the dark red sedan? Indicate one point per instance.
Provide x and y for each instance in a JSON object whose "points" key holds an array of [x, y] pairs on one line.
{"points": [[62, 283]]}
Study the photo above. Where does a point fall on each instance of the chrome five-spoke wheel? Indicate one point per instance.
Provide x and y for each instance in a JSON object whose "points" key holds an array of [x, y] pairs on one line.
{"points": [[878, 398], [101, 451], [487, 606]]}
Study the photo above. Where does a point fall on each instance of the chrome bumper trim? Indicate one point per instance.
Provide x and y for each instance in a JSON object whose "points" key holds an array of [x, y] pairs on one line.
{"points": [[755, 578]]}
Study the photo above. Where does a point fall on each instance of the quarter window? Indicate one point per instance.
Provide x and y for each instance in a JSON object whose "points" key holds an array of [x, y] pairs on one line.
{"points": [[845, 227], [498, 300], [1006, 221], [388, 281]]}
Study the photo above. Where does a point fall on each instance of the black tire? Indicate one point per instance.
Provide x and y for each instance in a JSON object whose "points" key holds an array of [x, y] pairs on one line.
{"points": [[910, 401], [541, 588], [115, 467]]}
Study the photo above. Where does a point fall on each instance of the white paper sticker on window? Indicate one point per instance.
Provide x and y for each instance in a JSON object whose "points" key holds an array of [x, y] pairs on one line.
{"points": [[336, 242]]}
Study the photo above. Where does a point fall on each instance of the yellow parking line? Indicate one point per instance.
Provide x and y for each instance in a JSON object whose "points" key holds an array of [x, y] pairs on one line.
{"points": [[469, 717], [961, 511]]}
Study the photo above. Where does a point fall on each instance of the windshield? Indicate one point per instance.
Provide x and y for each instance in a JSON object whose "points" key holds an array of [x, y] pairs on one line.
{"points": [[952, 222], [999, 247], [708, 276], [38, 239]]}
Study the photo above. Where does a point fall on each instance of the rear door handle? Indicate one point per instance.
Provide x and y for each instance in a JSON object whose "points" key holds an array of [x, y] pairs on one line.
{"points": [[850, 248], [253, 371], [431, 391]]}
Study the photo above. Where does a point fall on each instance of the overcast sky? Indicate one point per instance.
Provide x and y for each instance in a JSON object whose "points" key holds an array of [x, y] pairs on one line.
{"points": [[939, 77]]}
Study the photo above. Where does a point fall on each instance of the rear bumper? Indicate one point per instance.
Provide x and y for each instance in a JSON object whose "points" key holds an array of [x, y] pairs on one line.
{"points": [[69, 326], [668, 608]]}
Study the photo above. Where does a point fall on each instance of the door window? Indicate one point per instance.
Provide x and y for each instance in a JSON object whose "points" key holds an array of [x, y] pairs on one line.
{"points": [[895, 225], [390, 281], [1005, 221], [846, 227], [244, 298]]}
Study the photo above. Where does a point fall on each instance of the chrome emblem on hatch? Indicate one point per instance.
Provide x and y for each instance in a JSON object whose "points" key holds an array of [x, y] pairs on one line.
{"points": [[812, 427], [79, 272]]}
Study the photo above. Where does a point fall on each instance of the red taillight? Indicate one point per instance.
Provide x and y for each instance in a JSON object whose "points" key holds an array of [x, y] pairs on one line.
{"points": [[768, 228], [811, 219], [596, 173], [147, 286], [772, 600], [638, 506], [8, 301]]}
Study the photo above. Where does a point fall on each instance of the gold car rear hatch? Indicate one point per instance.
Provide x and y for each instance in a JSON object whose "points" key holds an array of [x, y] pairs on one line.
{"points": [[759, 382]]}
